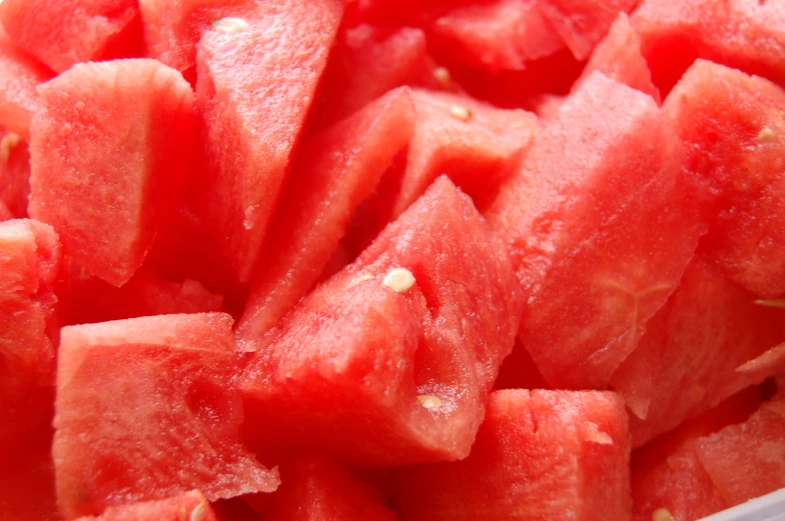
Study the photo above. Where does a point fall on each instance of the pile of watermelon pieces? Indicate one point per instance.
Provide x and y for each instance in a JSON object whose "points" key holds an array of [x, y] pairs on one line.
{"points": [[367, 260]]}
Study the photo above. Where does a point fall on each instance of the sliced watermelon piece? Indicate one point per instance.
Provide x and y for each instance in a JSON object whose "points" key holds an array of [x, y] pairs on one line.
{"points": [[336, 170], [570, 204], [707, 330], [496, 35], [145, 410], [86, 299], [618, 56], [315, 488], [745, 35], [367, 62], [539, 455], [254, 94], [734, 126], [20, 75], [192, 506], [391, 360], [14, 173], [64, 33], [113, 135], [581, 23]]}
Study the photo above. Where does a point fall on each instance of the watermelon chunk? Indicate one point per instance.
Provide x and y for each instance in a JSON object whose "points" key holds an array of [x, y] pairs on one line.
{"points": [[14, 173], [604, 176], [20, 75], [734, 127], [544, 455], [391, 360], [64, 33], [337, 170], [191, 506], [145, 410], [706, 331], [113, 135], [618, 56], [254, 94], [315, 488], [581, 23]]}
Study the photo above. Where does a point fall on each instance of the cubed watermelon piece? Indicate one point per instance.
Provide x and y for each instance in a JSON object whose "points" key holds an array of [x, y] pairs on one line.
{"points": [[64, 33], [618, 56], [254, 93], [109, 150], [29, 263], [745, 34], [539, 455], [316, 488], [697, 342], [335, 170], [14, 173], [391, 360], [20, 75], [496, 35], [601, 221], [191, 506], [146, 410], [583, 23], [734, 126]]}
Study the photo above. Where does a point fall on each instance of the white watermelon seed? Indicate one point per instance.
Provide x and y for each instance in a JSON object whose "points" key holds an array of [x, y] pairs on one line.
{"points": [[774, 303], [198, 513], [443, 77], [662, 514], [230, 25], [460, 112], [7, 144], [399, 279], [766, 135], [360, 280], [429, 401]]}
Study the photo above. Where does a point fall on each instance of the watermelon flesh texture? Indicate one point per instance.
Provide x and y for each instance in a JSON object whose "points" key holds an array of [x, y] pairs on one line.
{"points": [[338, 169], [604, 176], [707, 330], [582, 24], [618, 56], [744, 34], [64, 33], [405, 372], [114, 135], [29, 262], [734, 127], [316, 488], [14, 173], [20, 76], [496, 35], [189, 506], [539, 455], [253, 94], [145, 410]]}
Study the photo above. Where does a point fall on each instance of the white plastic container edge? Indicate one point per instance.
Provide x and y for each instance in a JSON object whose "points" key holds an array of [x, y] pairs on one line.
{"points": [[765, 508]]}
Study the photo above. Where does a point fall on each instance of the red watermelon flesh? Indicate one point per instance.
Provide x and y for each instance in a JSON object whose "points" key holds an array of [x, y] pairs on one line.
{"points": [[254, 93], [145, 410], [386, 369], [5, 213], [20, 75], [604, 176], [336, 169], [734, 126], [582, 24], [711, 327], [113, 135], [87, 299], [365, 63], [539, 456], [63, 33], [191, 506], [618, 56], [496, 35], [14, 173], [315, 488]]}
